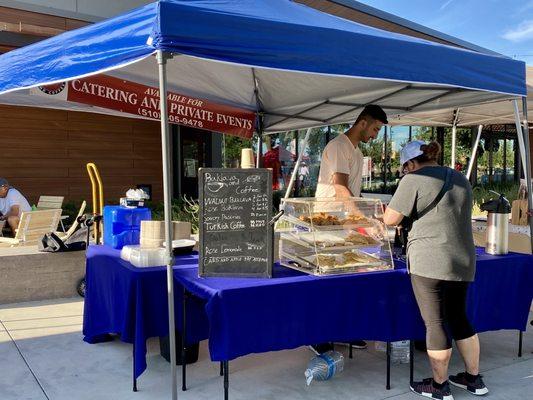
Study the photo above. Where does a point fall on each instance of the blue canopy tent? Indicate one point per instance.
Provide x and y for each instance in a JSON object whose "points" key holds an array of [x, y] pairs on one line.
{"points": [[293, 65]]}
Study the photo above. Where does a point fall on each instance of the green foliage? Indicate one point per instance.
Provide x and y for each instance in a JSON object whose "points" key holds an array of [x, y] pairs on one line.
{"points": [[232, 146], [464, 148], [183, 209], [375, 150], [482, 194], [71, 209]]}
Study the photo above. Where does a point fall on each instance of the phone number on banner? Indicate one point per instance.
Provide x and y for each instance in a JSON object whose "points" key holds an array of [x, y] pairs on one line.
{"points": [[175, 119]]}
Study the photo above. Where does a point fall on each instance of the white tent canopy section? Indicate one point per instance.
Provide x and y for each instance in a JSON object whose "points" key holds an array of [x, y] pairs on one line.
{"points": [[487, 113], [288, 99]]}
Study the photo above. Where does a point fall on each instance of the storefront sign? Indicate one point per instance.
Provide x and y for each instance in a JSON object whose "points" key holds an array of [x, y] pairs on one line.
{"points": [[133, 98]]}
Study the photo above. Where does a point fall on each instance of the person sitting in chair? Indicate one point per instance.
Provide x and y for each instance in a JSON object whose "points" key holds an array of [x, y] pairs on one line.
{"points": [[12, 204]]}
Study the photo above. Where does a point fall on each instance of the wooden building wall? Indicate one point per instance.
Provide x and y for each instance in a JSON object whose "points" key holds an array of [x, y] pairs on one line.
{"points": [[44, 152]]}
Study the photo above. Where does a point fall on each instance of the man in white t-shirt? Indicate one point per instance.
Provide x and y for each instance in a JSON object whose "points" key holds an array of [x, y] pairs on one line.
{"points": [[341, 168], [12, 204]]}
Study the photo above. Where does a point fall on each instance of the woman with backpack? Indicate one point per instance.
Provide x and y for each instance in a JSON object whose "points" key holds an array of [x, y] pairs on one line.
{"points": [[435, 204]]}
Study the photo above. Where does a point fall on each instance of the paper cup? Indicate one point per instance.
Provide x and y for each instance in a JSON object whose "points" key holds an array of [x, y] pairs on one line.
{"points": [[182, 230], [247, 158]]}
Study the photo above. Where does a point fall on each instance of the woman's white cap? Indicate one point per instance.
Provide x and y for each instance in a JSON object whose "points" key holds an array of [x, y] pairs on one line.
{"points": [[411, 150]]}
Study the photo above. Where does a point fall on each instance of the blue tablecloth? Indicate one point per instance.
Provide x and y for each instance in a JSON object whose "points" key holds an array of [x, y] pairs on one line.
{"points": [[132, 302], [293, 309], [246, 315]]}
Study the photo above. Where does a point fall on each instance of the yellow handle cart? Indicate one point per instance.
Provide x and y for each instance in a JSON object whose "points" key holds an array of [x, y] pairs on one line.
{"points": [[98, 200]]}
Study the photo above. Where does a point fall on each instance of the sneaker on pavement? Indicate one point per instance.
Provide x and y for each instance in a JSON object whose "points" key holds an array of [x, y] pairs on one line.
{"points": [[426, 389], [476, 387], [322, 347]]}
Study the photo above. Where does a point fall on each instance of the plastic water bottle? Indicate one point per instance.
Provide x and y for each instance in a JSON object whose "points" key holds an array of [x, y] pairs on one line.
{"points": [[380, 346], [324, 366], [400, 352]]}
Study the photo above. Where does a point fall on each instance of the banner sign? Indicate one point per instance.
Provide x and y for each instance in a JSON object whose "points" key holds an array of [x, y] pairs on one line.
{"points": [[133, 98]]}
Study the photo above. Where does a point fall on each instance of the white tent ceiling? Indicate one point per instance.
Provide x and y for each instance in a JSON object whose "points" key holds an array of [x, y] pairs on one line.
{"points": [[290, 100], [496, 112]]}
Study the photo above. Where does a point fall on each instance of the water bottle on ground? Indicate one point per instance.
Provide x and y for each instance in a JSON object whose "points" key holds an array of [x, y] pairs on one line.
{"points": [[400, 352], [380, 346], [324, 366]]}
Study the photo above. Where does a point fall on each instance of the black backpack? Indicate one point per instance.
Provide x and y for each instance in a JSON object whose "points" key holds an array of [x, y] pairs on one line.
{"points": [[50, 242]]}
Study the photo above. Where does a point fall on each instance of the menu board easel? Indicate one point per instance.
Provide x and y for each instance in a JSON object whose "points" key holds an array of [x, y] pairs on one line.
{"points": [[234, 222]]}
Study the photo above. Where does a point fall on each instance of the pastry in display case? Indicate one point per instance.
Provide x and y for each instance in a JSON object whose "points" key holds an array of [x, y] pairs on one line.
{"points": [[324, 236]]}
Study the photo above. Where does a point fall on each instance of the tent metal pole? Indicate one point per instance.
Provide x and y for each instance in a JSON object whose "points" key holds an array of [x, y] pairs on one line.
{"points": [[162, 58], [454, 137], [474, 152], [385, 160], [297, 165], [529, 184], [260, 128], [259, 149], [520, 137]]}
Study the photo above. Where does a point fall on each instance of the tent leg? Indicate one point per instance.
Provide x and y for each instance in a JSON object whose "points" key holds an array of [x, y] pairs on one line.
{"points": [[474, 152], [259, 149], [385, 161], [259, 140], [411, 360], [454, 138], [297, 165], [387, 385], [162, 58], [226, 380], [528, 176], [520, 338], [520, 137], [183, 341]]}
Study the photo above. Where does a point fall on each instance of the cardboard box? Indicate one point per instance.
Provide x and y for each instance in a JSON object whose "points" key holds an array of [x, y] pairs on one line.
{"points": [[519, 238]]}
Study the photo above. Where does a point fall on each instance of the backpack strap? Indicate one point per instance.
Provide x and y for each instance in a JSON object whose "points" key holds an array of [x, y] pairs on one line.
{"points": [[447, 186]]}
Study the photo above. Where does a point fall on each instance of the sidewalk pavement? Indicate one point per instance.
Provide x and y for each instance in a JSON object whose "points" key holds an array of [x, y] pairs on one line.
{"points": [[43, 357]]}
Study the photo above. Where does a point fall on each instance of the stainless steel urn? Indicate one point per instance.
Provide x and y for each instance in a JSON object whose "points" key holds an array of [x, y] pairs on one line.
{"points": [[497, 242]]}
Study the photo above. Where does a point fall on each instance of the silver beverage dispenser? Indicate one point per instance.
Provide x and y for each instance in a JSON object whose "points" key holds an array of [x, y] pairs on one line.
{"points": [[497, 242]]}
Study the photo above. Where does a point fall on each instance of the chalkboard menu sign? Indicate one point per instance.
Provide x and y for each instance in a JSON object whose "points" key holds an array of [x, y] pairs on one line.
{"points": [[235, 211]]}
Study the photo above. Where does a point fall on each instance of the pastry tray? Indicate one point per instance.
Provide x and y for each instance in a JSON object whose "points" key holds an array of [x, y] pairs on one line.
{"points": [[307, 264], [298, 222], [310, 239]]}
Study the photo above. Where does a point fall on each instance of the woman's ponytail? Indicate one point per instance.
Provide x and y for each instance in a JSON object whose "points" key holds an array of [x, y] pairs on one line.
{"points": [[431, 151]]}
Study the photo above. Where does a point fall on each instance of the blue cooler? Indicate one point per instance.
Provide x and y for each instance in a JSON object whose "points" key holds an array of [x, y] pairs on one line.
{"points": [[122, 225]]}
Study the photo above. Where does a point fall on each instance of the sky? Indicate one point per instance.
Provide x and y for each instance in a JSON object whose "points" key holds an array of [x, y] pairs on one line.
{"points": [[504, 26]]}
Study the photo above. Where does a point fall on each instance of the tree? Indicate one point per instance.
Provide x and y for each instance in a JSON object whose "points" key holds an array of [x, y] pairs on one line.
{"points": [[232, 146]]}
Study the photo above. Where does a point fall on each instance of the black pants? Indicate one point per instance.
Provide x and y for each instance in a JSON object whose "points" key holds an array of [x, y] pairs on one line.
{"points": [[443, 308]]}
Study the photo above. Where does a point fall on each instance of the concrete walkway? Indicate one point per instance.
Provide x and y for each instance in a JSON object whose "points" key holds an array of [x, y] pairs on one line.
{"points": [[42, 356]]}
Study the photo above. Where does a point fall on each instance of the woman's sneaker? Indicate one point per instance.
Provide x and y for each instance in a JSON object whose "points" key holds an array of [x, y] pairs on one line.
{"points": [[476, 387], [426, 389]]}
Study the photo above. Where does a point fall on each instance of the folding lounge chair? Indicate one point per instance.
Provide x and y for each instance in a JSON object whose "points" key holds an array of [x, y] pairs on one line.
{"points": [[32, 226], [52, 203]]}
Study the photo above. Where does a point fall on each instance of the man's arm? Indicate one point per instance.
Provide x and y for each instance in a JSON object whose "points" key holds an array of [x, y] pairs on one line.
{"points": [[13, 211], [340, 183]]}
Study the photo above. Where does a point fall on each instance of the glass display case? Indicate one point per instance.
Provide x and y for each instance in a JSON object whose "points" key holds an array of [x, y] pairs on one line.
{"points": [[324, 236]]}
